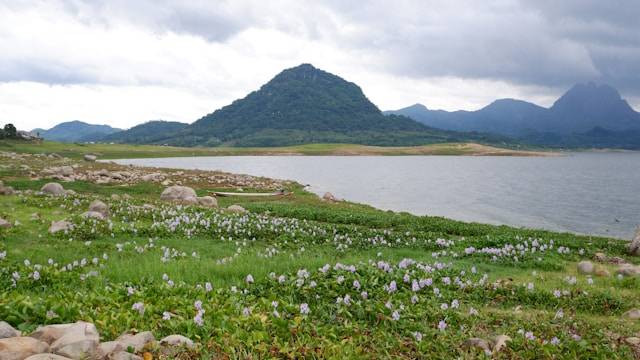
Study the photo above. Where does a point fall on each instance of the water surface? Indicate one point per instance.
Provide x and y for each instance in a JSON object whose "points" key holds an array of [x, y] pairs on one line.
{"points": [[591, 193]]}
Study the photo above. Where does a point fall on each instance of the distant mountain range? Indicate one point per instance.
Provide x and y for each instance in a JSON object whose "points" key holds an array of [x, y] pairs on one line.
{"points": [[75, 131], [307, 105], [588, 115]]}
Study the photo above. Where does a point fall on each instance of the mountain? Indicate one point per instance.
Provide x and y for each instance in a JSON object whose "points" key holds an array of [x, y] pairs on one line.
{"points": [[581, 117], [306, 105], [152, 132], [76, 131]]}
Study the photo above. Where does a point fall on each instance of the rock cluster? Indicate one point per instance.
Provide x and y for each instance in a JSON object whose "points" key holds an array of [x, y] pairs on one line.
{"points": [[80, 340], [187, 196], [6, 190]]}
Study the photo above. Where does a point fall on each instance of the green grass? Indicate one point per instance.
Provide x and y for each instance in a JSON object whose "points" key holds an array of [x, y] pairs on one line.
{"points": [[282, 236]]}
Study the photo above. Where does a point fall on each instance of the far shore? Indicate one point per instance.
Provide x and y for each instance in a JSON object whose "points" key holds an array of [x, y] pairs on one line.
{"points": [[124, 151]]}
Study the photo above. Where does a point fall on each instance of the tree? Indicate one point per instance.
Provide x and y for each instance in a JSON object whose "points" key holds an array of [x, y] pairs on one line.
{"points": [[10, 131]]}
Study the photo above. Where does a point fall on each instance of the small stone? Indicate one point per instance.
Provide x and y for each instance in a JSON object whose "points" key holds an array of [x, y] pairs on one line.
{"points": [[18, 348], [180, 194], [7, 331], [61, 225], [477, 343], [93, 215], [602, 272], [4, 223], [329, 197], [89, 157], [236, 209], [628, 270], [177, 340], [99, 206], [585, 267], [123, 355], [633, 314], [600, 257], [208, 201], [137, 341], [499, 342], [633, 341], [53, 189]]}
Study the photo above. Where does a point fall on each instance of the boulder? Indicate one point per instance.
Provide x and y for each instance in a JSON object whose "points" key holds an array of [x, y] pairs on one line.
{"points": [[7, 331], [208, 201], [137, 341], [585, 267], [633, 314], [180, 194], [18, 348], [89, 157], [53, 189], [99, 207], [177, 340], [47, 357], [61, 225], [236, 209], [4, 223], [477, 343], [78, 341], [499, 342], [634, 247]]}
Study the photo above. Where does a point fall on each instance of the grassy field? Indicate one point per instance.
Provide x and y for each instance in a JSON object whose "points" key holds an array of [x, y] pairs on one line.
{"points": [[119, 151], [298, 277]]}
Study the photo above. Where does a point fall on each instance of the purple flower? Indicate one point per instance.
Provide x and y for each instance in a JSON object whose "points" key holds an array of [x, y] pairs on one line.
{"points": [[442, 325], [166, 315], [139, 307], [395, 316], [304, 309]]}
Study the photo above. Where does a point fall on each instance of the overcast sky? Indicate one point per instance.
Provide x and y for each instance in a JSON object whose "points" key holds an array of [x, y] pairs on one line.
{"points": [[124, 62]]}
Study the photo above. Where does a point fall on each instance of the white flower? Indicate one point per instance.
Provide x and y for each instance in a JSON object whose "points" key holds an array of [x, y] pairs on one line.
{"points": [[418, 336], [395, 316], [304, 309], [473, 311], [455, 304], [249, 279], [246, 311], [208, 287], [444, 306], [364, 295], [166, 315], [36, 275], [139, 307], [442, 325]]}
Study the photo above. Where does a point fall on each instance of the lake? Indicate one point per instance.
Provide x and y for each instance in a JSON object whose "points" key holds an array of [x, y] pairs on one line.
{"points": [[589, 193]]}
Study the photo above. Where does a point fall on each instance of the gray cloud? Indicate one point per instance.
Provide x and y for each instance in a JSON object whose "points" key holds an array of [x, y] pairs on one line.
{"points": [[527, 43]]}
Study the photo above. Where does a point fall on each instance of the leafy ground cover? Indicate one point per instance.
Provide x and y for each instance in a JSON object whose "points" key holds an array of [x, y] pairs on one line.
{"points": [[298, 277]]}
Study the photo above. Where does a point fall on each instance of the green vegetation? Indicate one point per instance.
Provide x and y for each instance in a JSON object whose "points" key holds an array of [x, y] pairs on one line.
{"points": [[120, 151], [301, 105], [298, 277]]}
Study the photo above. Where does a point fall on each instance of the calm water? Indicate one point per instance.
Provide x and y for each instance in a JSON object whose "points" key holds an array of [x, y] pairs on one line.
{"points": [[592, 193]]}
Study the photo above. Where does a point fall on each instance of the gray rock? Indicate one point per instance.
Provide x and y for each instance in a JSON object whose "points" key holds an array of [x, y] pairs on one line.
{"points": [[137, 341], [628, 270], [79, 341], [93, 215], [236, 209], [633, 314], [6, 190], [329, 197], [208, 201], [123, 355], [61, 225], [477, 343], [177, 340], [7, 331], [53, 189], [18, 348], [89, 157], [634, 247], [100, 207], [4, 223], [499, 342], [585, 267], [109, 347], [180, 194]]}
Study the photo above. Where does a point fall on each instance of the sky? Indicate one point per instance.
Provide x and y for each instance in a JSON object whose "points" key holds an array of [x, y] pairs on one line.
{"points": [[123, 62]]}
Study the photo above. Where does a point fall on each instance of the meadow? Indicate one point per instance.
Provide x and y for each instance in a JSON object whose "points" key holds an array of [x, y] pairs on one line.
{"points": [[299, 277]]}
